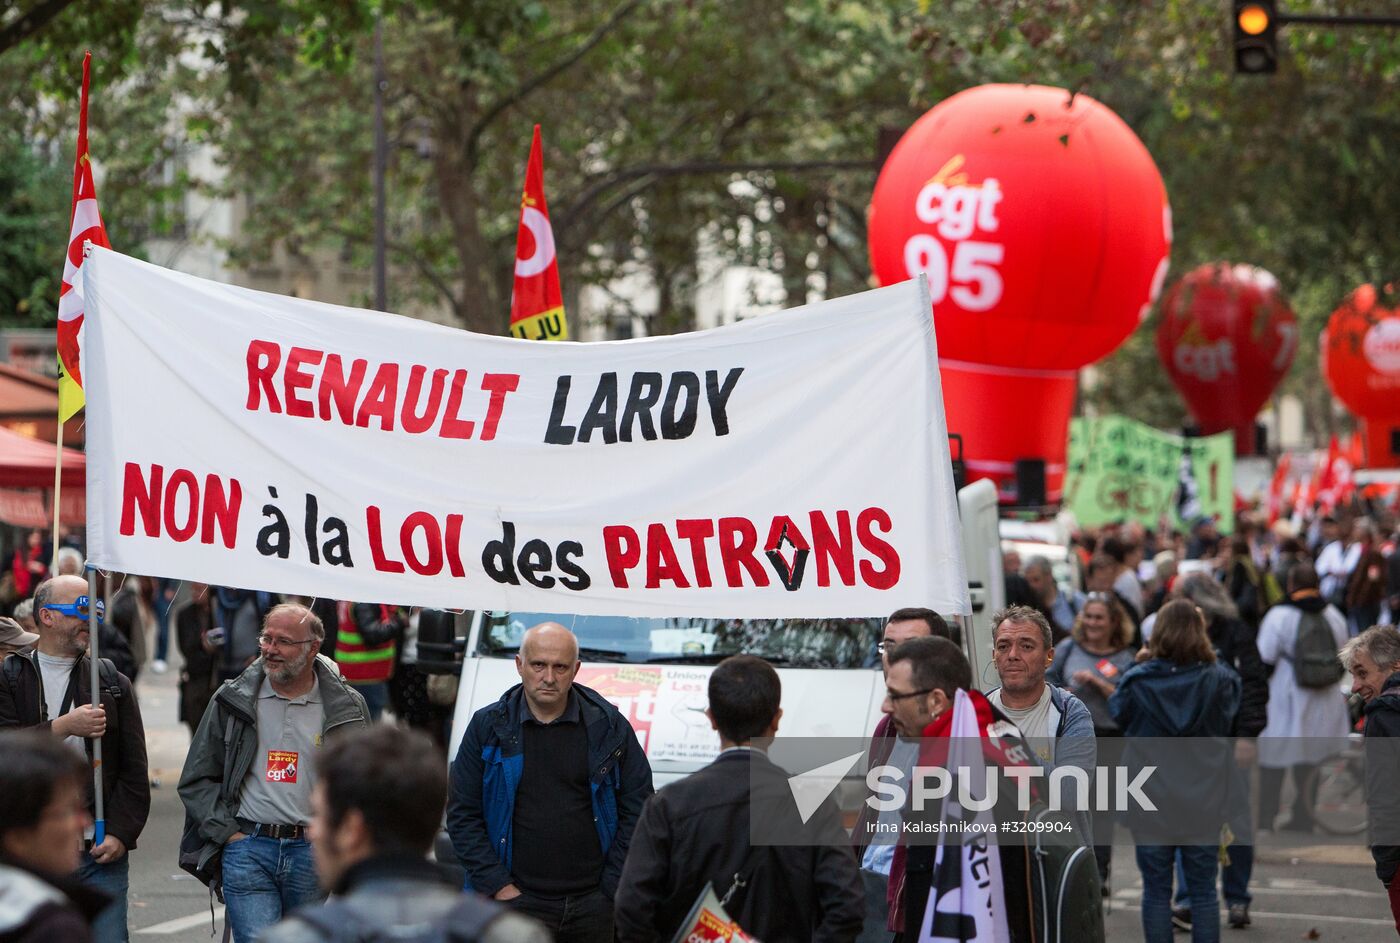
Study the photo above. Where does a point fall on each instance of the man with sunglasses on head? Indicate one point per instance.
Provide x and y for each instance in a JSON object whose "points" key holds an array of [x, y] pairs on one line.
{"points": [[248, 777], [50, 689]]}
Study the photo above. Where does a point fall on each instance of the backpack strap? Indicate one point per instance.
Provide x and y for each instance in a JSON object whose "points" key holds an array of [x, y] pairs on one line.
{"points": [[1298, 634], [745, 874], [225, 787], [12, 668], [107, 676]]}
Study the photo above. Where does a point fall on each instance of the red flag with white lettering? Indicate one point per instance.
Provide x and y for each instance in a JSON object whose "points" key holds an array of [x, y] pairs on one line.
{"points": [[86, 226]]}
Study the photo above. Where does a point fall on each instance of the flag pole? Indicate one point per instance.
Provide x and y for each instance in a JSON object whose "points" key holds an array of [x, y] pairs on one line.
{"points": [[95, 613], [57, 495]]}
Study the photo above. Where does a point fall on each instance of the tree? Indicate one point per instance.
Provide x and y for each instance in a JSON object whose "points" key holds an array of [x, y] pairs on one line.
{"points": [[665, 138], [744, 133], [33, 208]]}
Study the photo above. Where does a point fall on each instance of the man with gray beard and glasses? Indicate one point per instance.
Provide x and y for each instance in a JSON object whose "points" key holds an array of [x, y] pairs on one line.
{"points": [[247, 780]]}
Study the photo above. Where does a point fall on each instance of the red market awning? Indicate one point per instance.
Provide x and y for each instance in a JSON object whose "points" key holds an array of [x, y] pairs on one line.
{"points": [[30, 507], [28, 463]]}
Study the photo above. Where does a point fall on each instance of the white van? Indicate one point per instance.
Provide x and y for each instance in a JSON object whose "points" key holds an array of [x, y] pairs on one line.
{"points": [[656, 671]]}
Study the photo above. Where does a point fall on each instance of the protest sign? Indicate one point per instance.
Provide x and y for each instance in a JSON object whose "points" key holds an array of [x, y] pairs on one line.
{"points": [[1122, 470], [792, 465], [708, 922]]}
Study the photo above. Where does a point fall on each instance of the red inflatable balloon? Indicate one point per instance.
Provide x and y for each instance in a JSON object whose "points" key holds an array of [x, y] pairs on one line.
{"points": [[1044, 230], [1361, 361], [1227, 337]]}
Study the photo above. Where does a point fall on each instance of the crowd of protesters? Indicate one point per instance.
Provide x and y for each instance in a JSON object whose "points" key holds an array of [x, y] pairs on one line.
{"points": [[293, 791]]}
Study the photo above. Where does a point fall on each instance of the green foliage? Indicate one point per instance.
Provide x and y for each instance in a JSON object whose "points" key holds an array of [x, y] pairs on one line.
{"points": [[34, 198], [680, 132]]}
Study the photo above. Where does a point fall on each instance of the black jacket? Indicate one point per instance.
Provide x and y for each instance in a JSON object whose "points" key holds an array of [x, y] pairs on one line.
{"points": [[697, 830], [43, 908], [112, 644], [1235, 646], [487, 771], [1382, 775], [199, 677], [126, 790]]}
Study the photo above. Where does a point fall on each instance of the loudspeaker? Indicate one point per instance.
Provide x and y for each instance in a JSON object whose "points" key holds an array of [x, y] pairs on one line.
{"points": [[955, 451], [439, 651], [1030, 481]]}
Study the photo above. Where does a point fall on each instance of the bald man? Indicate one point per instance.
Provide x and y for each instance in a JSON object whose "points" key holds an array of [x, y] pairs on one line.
{"points": [[546, 790]]}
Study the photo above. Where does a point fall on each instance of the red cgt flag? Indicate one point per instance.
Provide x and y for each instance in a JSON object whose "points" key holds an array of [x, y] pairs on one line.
{"points": [[86, 226], [536, 304]]}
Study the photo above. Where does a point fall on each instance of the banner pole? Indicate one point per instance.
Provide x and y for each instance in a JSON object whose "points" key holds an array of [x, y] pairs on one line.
{"points": [[57, 496], [95, 613]]}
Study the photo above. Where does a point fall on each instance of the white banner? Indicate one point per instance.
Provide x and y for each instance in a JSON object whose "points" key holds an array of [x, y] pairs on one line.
{"points": [[794, 465]]}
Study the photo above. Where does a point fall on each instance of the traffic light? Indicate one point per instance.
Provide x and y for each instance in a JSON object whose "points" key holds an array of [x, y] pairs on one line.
{"points": [[1256, 36]]}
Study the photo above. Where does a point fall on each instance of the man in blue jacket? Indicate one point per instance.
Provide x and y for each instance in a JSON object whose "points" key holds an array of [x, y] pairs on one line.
{"points": [[546, 790]]}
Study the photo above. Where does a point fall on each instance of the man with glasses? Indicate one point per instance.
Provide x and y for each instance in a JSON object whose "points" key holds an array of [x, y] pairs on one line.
{"points": [[896, 747], [248, 778], [50, 689]]}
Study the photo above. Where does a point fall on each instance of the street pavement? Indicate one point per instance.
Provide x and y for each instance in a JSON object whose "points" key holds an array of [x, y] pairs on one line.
{"points": [[166, 903], [1305, 887]]}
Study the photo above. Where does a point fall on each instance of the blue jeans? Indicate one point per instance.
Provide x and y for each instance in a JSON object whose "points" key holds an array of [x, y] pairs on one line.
{"points": [[266, 879], [1199, 864], [1234, 877], [376, 696], [162, 608], [110, 924]]}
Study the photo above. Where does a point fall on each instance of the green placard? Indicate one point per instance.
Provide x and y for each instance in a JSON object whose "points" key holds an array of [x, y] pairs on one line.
{"points": [[1122, 470]]}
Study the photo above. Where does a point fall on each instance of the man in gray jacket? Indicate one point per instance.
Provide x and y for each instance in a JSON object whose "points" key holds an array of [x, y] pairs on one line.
{"points": [[248, 778]]}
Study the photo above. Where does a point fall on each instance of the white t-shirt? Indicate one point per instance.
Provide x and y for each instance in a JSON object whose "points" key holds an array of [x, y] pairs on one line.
{"points": [[56, 672], [1033, 721]]}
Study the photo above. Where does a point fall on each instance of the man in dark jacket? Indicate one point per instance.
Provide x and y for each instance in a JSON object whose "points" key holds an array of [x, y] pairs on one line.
{"points": [[698, 831], [887, 748], [50, 689], [376, 807], [41, 824], [1373, 658], [199, 648], [545, 792], [248, 779]]}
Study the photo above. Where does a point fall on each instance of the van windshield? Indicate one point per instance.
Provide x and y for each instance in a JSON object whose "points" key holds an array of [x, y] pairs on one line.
{"points": [[792, 643]]}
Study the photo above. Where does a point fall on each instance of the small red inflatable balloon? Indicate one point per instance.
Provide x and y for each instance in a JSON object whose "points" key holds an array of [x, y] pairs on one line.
{"points": [[1043, 227], [1227, 338], [1361, 362]]}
